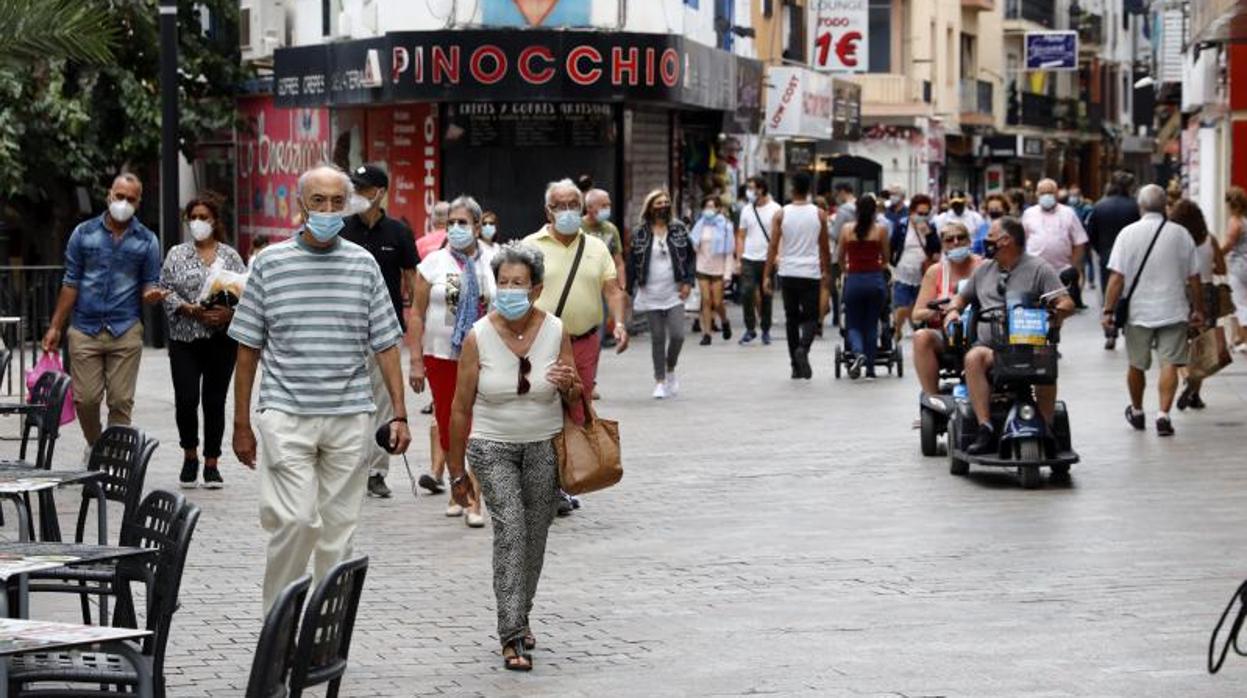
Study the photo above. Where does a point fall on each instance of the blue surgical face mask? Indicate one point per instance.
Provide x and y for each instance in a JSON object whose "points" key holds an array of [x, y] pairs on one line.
{"points": [[957, 255], [488, 231], [512, 303], [567, 222], [919, 218], [460, 237], [709, 214], [751, 195], [1047, 201], [1075, 199], [604, 214], [324, 226]]}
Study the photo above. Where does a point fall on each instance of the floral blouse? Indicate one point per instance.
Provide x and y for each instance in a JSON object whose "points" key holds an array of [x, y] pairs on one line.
{"points": [[184, 274]]}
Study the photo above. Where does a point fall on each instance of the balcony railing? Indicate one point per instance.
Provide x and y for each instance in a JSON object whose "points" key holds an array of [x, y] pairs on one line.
{"points": [[976, 97], [1062, 114], [1041, 12]]}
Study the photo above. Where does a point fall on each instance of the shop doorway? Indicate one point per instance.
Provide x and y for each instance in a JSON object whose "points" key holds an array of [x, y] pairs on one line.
{"points": [[863, 174]]}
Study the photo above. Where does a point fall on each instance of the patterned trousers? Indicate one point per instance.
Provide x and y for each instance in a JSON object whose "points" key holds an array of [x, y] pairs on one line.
{"points": [[519, 482]]}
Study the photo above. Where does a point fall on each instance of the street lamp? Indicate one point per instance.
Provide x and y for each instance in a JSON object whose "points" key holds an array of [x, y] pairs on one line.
{"points": [[168, 122]]}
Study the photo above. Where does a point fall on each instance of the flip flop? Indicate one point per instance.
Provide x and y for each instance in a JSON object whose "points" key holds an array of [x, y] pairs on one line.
{"points": [[521, 660]]}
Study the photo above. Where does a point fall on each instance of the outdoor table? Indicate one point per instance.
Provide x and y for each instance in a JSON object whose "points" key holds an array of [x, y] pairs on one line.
{"points": [[18, 480], [20, 559], [18, 636], [21, 350]]}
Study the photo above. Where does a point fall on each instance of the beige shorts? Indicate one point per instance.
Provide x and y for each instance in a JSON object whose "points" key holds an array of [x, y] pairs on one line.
{"points": [[1170, 343]]}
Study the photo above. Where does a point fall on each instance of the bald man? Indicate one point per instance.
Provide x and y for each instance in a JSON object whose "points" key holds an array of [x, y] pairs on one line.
{"points": [[1055, 233], [435, 239], [112, 267]]}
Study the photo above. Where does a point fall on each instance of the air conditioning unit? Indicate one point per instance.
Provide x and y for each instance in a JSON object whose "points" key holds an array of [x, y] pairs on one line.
{"points": [[262, 27]]}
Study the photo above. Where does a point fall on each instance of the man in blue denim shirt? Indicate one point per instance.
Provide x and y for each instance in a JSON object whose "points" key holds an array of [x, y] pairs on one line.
{"points": [[112, 266]]}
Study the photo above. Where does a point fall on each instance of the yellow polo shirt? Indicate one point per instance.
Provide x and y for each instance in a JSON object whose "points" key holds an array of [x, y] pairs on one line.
{"points": [[583, 310]]}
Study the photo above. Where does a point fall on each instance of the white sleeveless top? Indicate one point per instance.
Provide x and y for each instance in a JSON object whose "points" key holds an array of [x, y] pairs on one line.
{"points": [[909, 268], [798, 246], [501, 413]]}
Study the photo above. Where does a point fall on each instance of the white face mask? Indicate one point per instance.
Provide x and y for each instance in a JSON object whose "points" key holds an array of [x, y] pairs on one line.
{"points": [[121, 210], [200, 230]]}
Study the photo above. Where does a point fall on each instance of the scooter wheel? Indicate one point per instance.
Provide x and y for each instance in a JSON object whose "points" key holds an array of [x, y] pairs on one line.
{"points": [[1030, 452], [1062, 470], [956, 466], [900, 362], [927, 433], [839, 361]]}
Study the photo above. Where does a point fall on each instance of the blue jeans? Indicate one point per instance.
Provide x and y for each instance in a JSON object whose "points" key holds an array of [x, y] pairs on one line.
{"points": [[863, 304]]}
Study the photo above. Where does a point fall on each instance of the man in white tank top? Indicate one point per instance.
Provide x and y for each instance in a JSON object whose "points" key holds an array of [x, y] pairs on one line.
{"points": [[801, 255]]}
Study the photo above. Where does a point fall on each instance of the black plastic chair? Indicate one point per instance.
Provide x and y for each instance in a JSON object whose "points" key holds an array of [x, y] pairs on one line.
{"points": [[122, 453], [325, 633], [165, 522], [43, 421], [274, 653]]}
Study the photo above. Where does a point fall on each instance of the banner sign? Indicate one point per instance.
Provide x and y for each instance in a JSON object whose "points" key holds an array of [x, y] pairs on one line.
{"points": [[846, 119], [838, 33], [277, 146], [509, 65], [404, 140], [798, 103], [1056, 50]]}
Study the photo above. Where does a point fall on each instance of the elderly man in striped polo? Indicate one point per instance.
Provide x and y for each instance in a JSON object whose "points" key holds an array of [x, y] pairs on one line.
{"points": [[314, 307]]}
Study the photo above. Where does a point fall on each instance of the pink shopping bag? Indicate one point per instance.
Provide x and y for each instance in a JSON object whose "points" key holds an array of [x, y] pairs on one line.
{"points": [[51, 361]]}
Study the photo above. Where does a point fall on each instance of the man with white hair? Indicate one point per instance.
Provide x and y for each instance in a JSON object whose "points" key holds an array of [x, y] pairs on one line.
{"points": [[597, 221], [1154, 268], [1054, 232], [316, 311]]}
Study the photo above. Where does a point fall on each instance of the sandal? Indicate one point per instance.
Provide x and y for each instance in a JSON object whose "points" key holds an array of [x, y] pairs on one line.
{"points": [[530, 640], [518, 660]]}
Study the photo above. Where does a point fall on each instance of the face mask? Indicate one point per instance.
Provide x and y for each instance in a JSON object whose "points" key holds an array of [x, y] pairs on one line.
{"points": [[358, 204], [896, 200], [957, 255], [460, 237], [512, 303], [1047, 201], [919, 218], [567, 222], [709, 214], [121, 210], [200, 230], [959, 209], [1074, 200], [488, 231], [751, 195], [989, 248], [994, 213], [662, 213], [324, 226], [604, 214]]}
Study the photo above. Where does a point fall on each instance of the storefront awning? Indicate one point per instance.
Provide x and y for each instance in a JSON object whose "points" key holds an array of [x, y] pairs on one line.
{"points": [[503, 65]]}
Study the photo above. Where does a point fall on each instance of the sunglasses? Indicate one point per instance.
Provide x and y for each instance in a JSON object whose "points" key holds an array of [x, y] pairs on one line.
{"points": [[524, 386], [956, 238]]}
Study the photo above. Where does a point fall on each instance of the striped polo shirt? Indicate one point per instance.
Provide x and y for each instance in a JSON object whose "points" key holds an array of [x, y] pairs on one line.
{"points": [[314, 315]]}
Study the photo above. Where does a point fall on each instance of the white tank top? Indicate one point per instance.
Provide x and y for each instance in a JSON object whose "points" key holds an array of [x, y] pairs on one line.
{"points": [[501, 413], [798, 249], [909, 269], [1205, 257]]}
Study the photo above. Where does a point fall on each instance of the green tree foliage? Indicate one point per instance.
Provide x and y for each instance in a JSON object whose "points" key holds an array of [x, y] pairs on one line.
{"points": [[80, 102]]}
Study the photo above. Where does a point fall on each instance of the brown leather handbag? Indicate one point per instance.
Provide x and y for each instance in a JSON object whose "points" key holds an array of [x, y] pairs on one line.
{"points": [[589, 456]]}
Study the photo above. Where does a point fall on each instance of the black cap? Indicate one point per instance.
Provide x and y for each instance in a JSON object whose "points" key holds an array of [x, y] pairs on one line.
{"points": [[370, 176]]}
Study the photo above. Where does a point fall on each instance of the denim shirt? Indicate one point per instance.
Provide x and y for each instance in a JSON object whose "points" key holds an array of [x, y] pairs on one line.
{"points": [[110, 276]]}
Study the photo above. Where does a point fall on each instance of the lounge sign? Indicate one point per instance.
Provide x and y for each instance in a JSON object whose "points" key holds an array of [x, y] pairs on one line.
{"points": [[508, 65]]}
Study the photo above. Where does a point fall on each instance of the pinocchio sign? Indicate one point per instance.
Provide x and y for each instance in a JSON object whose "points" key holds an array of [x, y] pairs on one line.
{"points": [[502, 65]]}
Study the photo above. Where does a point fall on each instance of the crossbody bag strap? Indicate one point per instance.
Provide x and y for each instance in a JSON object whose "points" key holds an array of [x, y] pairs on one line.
{"points": [[1139, 274], [760, 225], [571, 277]]}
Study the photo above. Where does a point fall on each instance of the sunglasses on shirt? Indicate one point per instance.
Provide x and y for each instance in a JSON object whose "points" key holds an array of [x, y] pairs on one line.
{"points": [[523, 386]]}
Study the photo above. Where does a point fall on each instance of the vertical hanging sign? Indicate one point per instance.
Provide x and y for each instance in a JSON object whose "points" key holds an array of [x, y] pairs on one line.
{"points": [[838, 35]]}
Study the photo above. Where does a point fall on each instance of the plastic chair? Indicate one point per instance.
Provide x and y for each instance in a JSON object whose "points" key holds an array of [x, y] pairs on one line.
{"points": [[325, 633], [274, 653], [43, 419], [165, 522]]}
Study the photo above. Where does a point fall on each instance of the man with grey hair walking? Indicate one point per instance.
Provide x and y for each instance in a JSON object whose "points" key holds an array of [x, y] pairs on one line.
{"points": [[1154, 268], [315, 311]]}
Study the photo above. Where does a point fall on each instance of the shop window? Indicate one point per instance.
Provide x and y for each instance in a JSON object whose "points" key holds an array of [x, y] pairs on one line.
{"points": [[880, 18], [794, 33]]}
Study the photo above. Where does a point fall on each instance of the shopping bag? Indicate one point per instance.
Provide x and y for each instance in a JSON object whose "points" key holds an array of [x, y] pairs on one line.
{"points": [[588, 455], [1225, 301], [51, 361], [1209, 353]]}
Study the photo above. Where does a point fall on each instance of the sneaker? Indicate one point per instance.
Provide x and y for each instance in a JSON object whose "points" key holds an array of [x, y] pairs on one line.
{"points": [[1197, 402], [1135, 419], [1110, 343], [727, 331], [766, 338], [212, 478], [453, 510], [696, 325], [1164, 427], [1184, 399], [431, 484], [189, 478], [474, 520], [855, 369], [377, 488], [660, 391], [870, 376], [748, 337], [565, 506], [801, 359], [705, 340], [984, 442], [673, 385]]}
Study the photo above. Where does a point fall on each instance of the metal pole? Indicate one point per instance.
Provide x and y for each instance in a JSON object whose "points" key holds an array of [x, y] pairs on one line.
{"points": [[168, 148]]}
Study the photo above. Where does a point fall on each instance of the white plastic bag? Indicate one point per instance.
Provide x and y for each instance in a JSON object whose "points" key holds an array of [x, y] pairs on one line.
{"points": [[221, 287]]}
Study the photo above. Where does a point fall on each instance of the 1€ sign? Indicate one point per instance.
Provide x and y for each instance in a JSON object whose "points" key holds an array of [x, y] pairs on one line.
{"points": [[839, 38]]}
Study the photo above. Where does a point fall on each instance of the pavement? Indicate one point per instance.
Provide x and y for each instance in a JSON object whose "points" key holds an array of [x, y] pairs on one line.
{"points": [[778, 537]]}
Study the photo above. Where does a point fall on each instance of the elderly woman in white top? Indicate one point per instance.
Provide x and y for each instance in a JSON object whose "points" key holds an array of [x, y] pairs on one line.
{"points": [[515, 373], [454, 286]]}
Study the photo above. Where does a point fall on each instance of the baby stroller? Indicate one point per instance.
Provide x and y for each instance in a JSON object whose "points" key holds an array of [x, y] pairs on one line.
{"points": [[889, 354]]}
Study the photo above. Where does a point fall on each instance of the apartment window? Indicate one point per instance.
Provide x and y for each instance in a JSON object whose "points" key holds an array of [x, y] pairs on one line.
{"points": [[880, 17], [794, 33], [950, 54], [969, 61], [326, 11]]}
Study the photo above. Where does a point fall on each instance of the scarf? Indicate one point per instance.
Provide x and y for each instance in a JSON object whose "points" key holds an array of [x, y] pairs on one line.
{"points": [[469, 310]]}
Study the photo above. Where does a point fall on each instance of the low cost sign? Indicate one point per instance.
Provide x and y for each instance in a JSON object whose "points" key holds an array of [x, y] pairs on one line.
{"points": [[839, 37]]}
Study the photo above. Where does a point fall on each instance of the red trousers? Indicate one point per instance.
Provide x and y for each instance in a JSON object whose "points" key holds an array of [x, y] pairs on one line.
{"points": [[442, 375], [586, 352]]}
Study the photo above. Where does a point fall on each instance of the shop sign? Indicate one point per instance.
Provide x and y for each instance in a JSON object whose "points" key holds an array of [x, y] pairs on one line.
{"points": [[275, 148], [846, 119], [404, 140], [747, 118], [1052, 50], [530, 124], [1000, 146], [509, 65], [839, 35], [994, 179], [936, 144], [798, 103], [799, 155], [1032, 147]]}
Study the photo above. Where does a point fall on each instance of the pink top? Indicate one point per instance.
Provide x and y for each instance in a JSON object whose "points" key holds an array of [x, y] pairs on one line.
{"points": [[1054, 234], [429, 243]]}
